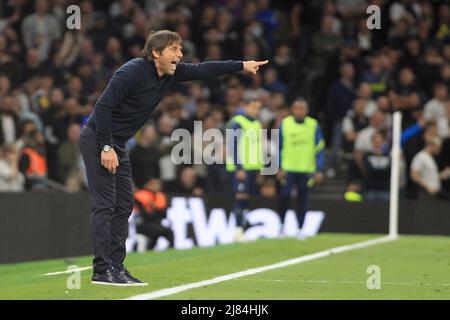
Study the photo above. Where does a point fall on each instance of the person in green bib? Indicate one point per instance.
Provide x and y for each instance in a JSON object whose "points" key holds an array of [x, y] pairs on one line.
{"points": [[301, 156], [244, 160]]}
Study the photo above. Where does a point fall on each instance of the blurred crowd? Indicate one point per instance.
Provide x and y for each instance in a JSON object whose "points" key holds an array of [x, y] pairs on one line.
{"points": [[353, 79]]}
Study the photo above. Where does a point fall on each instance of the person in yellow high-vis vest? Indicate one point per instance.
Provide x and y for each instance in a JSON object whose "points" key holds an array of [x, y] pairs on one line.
{"points": [[244, 160], [301, 156]]}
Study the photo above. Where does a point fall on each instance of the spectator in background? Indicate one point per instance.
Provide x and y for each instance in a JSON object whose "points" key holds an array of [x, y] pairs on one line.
{"points": [[424, 170], [384, 105], [364, 92], [353, 123], [444, 158], [8, 120], [329, 8], [33, 162], [233, 100], [189, 183], [441, 28], [254, 91], [72, 114], [413, 145], [87, 78], [40, 96], [87, 51], [135, 33], [189, 46], [32, 67], [40, 30], [69, 50], [412, 55], [113, 53], [121, 14], [376, 75], [206, 20], [214, 171], [218, 115], [74, 90], [275, 102], [201, 111], [229, 34], [25, 128], [364, 36], [364, 140], [195, 93], [377, 164], [150, 205], [5, 85], [272, 83], [430, 68], [324, 44], [8, 64], [436, 110], [339, 102], [445, 74], [54, 132], [284, 64], [69, 159], [11, 179], [145, 156], [168, 170], [101, 74], [268, 17], [406, 96]]}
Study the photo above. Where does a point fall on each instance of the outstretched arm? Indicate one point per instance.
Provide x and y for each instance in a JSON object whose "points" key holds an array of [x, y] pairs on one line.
{"points": [[200, 71]]}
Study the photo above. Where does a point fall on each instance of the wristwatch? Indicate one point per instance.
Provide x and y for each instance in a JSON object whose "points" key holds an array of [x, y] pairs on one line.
{"points": [[106, 148]]}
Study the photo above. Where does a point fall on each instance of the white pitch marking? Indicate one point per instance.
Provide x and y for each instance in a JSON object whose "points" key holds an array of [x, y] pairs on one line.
{"points": [[351, 282], [67, 271], [170, 291]]}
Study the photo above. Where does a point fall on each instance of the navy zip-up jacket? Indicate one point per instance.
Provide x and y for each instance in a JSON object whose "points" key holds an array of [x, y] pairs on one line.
{"points": [[135, 90]]}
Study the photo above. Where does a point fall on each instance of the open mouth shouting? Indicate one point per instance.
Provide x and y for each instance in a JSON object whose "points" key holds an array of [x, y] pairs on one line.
{"points": [[173, 64]]}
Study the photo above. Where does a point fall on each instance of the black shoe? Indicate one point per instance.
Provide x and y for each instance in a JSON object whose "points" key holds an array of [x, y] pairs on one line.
{"points": [[124, 275], [109, 277]]}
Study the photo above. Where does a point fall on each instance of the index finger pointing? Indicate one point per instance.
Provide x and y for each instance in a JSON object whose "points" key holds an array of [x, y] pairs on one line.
{"points": [[260, 63]]}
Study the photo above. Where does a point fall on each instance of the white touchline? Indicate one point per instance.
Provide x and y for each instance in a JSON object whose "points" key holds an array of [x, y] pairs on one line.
{"points": [[170, 291], [67, 271], [351, 282]]}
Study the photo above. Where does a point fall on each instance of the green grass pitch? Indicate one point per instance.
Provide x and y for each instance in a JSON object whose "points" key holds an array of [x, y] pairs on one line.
{"points": [[412, 267]]}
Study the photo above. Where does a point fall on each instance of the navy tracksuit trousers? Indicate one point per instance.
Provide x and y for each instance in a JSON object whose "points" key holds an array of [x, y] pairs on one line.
{"points": [[112, 202], [301, 181]]}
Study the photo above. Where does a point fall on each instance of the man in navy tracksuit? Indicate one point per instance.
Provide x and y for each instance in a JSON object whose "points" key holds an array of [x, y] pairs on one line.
{"points": [[123, 108]]}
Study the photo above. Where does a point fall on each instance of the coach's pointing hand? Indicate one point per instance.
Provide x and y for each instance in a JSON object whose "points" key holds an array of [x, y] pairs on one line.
{"points": [[253, 66], [109, 160]]}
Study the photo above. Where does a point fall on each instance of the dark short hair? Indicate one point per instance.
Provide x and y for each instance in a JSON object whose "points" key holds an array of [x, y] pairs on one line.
{"points": [[438, 85], [300, 100], [159, 40]]}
